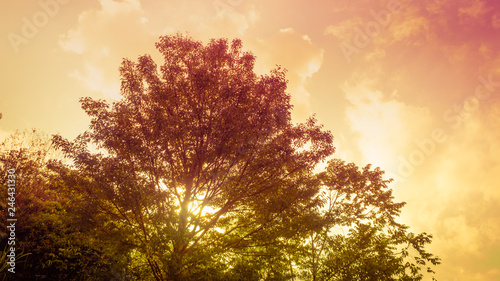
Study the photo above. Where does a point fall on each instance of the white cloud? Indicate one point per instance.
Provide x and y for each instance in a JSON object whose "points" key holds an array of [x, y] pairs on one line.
{"points": [[94, 79], [123, 29], [103, 38], [458, 200], [386, 126], [474, 10], [410, 30], [344, 29], [495, 21], [112, 7], [299, 55]]}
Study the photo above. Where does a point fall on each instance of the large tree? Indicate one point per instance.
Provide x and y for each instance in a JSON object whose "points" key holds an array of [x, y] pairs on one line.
{"points": [[199, 163]]}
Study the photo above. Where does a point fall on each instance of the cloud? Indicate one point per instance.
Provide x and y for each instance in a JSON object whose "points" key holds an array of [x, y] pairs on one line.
{"points": [[203, 20], [495, 21], [454, 193], [103, 38], [375, 55], [95, 80], [475, 10], [418, 68], [456, 197], [112, 7], [299, 55], [385, 125], [124, 29], [411, 30], [228, 23], [100, 41], [344, 29], [459, 54], [436, 6]]}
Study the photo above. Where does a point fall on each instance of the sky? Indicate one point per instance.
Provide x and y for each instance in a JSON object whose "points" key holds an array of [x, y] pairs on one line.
{"points": [[412, 87]]}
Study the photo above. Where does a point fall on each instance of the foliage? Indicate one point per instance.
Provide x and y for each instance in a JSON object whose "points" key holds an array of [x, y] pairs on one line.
{"points": [[199, 173], [50, 244], [376, 247]]}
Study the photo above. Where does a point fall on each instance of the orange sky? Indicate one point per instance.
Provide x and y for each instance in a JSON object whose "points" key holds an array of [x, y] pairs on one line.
{"points": [[410, 86]]}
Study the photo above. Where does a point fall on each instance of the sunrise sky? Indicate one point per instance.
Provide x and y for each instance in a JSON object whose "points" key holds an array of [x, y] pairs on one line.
{"points": [[410, 86]]}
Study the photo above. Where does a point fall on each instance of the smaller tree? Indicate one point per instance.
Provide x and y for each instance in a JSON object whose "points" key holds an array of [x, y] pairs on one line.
{"points": [[55, 245], [376, 247]]}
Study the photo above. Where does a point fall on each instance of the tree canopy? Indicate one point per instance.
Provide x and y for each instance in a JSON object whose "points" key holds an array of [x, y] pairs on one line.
{"points": [[199, 173]]}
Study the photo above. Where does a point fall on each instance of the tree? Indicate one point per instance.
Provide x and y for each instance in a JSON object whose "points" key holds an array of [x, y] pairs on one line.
{"points": [[376, 247], [50, 242], [199, 164]]}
